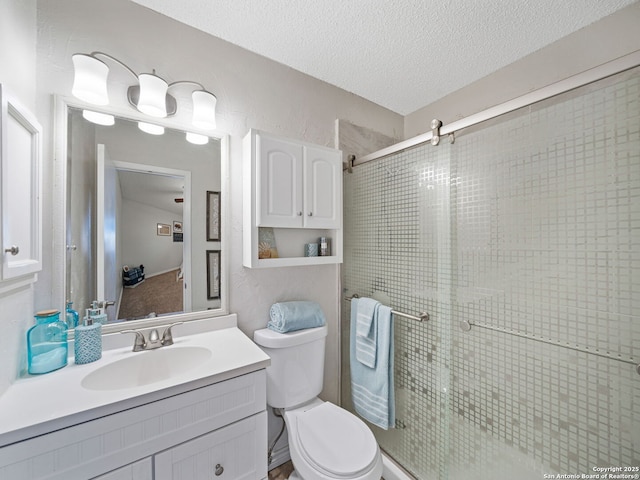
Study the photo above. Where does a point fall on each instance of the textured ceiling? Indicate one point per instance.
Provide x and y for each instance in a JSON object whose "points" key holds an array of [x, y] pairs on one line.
{"points": [[158, 191], [401, 54]]}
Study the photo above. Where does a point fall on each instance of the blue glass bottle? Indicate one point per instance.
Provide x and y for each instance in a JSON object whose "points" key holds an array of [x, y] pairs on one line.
{"points": [[47, 343], [72, 316]]}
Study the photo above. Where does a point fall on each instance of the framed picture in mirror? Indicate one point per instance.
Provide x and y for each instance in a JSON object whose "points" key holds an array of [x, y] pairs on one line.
{"points": [[213, 274], [213, 216], [164, 229]]}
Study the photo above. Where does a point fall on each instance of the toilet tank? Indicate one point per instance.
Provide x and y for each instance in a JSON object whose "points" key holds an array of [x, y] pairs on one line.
{"points": [[297, 364]]}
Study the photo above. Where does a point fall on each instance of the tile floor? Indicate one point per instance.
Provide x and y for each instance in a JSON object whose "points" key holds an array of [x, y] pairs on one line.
{"points": [[281, 472]]}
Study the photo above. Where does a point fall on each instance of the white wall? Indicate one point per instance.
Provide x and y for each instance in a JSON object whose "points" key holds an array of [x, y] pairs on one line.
{"points": [[141, 244], [81, 174], [18, 49], [18, 74]]}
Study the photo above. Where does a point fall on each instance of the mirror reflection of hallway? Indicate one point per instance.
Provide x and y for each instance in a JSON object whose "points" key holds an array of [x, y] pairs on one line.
{"points": [[132, 150], [138, 200]]}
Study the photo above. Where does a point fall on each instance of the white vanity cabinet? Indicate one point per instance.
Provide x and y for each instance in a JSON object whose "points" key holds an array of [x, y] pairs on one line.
{"points": [[214, 431], [233, 452], [141, 470], [20, 189], [295, 189]]}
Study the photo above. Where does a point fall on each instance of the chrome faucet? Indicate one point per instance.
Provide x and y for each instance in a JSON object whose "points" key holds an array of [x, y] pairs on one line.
{"points": [[154, 340]]}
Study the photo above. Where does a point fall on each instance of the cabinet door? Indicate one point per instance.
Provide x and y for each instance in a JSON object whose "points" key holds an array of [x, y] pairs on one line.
{"points": [[237, 451], [20, 157], [141, 470], [322, 188], [278, 183]]}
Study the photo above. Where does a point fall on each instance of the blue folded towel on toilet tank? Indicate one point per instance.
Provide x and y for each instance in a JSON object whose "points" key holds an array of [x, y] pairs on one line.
{"points": [[298, 315]]}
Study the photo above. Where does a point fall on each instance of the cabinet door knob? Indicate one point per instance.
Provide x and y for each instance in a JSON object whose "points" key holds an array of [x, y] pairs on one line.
{"points": [[310, 214], [219, 470], [14, 250], [299, 214]]}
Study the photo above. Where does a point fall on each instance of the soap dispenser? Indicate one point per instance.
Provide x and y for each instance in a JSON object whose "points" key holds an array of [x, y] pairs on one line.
{"points": [[72, 316], [47, 343], [88, 340], [97, 313]]}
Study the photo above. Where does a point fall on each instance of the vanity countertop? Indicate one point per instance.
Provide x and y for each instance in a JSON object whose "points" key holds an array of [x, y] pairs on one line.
{"points": [[40, 404]]}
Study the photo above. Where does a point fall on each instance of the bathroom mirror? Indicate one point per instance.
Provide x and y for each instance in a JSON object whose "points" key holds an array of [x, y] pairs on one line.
{"points": [[138, 212]]}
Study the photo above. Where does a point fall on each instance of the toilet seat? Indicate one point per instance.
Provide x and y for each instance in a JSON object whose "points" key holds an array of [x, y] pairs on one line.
{"points": [[336, 442]]}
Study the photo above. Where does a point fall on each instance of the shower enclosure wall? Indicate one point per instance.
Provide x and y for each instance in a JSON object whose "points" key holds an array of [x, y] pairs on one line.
{"points": [[527, 229]]}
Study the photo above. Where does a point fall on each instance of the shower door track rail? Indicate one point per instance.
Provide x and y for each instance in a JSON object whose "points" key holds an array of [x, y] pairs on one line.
{"points": [[424, 316], [466, 326], [618, 65]]}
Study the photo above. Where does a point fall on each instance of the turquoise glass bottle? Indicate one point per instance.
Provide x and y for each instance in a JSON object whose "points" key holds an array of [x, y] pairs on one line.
{"points": [[72, 316], [47, 346]]}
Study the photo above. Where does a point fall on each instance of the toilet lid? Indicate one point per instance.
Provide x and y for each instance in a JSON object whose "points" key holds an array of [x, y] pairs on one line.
{"points": [[335, 441]]}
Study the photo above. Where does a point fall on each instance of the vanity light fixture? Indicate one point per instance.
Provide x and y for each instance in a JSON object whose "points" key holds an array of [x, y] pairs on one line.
{"points": [[151, 128], [150, 95], [197, 139], [99, 118]]}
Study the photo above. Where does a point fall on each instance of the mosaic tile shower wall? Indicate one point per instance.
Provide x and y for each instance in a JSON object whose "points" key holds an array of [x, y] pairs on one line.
{"points": [[528, 225]]}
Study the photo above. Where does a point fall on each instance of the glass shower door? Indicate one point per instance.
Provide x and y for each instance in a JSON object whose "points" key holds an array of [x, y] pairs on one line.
{"points": [[397, 250], [522, 241], [546, 258]]}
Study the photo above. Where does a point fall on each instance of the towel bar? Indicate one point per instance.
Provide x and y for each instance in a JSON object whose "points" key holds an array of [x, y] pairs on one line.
{"points": [[424, 316]]}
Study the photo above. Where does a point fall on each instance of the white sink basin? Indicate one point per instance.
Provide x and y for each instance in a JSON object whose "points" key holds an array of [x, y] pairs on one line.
{"points": [[143, 368]]}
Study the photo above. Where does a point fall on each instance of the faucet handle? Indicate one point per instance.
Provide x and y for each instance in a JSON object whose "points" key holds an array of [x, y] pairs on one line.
{"points": [[167, 337], [153, 336], [140, 343]]}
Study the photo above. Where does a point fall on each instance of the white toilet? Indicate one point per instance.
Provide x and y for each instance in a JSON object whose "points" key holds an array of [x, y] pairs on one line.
{"points": [[325, 441]]}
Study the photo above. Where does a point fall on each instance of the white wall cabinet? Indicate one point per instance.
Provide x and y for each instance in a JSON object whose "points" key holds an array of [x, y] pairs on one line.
{"points": [[20, 187], [183, 436], [294, 188], [300, 186]]}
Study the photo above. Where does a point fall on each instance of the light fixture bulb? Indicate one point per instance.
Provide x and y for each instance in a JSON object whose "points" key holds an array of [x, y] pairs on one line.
{"points": [[153, 93], [90, 79], [204, 110], [98, 118], [151, 128], [197, 139]]}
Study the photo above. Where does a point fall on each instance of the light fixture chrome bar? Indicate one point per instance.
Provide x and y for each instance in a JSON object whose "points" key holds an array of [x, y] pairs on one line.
{"points": [[466, 326], [424, 316], [186, 82], [597, 73], [113, 59], [149, 95]]}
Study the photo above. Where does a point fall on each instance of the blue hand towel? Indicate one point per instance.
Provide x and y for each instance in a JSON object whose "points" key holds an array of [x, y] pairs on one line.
{"points": [[366, 333], [290, 316], [372, 389]]}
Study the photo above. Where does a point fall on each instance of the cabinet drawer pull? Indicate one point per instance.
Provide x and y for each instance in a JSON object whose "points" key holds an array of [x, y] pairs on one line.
{"points": [[14, 250], [219, 470]]}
